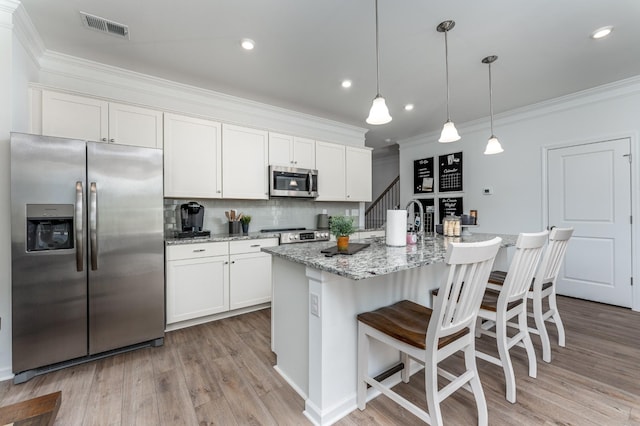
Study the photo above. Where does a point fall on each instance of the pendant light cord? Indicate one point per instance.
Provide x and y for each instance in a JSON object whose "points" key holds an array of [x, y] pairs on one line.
{"points": [[377, 60], [490, 100], [446, 67]]}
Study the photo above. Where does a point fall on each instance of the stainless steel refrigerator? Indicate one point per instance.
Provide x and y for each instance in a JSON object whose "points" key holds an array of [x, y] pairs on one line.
{"points": [[87, 250]]}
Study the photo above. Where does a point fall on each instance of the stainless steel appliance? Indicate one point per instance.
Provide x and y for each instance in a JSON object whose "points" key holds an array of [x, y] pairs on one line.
{"points": [[299, 235], [191, 218], [293, 182], [87, 250]]}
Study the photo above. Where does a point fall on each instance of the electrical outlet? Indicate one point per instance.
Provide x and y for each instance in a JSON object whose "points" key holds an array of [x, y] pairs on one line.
{"points": [[314, 304]]}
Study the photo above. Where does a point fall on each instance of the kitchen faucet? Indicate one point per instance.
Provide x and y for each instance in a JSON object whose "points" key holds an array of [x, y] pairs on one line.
{"points": [[421, 210]]}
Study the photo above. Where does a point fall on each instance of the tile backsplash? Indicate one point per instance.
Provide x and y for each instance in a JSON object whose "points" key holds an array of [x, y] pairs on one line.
{"points": [[274, 213]]}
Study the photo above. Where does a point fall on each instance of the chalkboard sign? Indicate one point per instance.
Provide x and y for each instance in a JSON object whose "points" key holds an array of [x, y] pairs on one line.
{"points": [[449, 206], [450, 172], [423, 176]]}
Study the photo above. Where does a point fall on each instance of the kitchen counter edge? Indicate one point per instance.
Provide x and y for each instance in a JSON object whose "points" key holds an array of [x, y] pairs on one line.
{"points": [[170, 241]]}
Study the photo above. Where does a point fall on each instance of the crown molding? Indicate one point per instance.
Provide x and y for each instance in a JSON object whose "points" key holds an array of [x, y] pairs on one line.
{"points": [[272, 117], [9, 5], [27, 34], [626, 87]]}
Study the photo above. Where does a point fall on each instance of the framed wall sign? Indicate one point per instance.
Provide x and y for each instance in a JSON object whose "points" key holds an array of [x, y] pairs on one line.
{"points": [[423, 176], [449, 206], [450, 172]]}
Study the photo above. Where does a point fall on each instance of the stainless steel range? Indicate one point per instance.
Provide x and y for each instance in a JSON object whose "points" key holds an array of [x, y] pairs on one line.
{"points": [[299, 235]]}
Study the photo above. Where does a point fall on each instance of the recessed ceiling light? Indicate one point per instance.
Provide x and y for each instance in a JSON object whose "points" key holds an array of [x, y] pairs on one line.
{"points": [[247, 44], [408, 107], [601, 32], [346, 83]]}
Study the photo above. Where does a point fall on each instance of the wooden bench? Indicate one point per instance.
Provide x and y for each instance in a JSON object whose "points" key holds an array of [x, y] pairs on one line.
{"points": [[40, 411]]}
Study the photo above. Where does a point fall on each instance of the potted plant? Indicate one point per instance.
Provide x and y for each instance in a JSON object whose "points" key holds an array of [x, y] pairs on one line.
{"points": [[245, 219], [341, 227]]}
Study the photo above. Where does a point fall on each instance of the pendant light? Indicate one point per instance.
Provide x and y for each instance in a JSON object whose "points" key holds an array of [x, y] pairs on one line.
{"points": [[449, 131], [493, 145], [379, 113]]}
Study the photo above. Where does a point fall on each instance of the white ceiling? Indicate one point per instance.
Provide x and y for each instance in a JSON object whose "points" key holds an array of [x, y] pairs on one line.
{"points": [[305, 48]]}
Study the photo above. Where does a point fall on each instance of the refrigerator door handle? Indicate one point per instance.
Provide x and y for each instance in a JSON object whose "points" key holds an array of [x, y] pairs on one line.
{"points": [[79, 231], [93, 225]]}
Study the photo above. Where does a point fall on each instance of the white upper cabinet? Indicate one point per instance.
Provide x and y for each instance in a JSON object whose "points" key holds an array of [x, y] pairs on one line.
{"points": [[344, 172], [132, 125], [358, 174], [292, 151], [331, 162], [192, 157], [245, 159], [78, 117]]}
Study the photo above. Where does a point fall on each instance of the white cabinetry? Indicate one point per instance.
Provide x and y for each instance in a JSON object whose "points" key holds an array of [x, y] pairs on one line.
{"points": [[245, 159], [344, 172], [292, 151], [358, 174], [71, 116], [330, 162], [197, 280], [215, 278], [192, 157], [250, 272]]}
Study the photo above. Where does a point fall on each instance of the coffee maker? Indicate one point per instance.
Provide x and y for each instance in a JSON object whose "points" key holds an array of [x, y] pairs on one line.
{"points": [[190, 218]]}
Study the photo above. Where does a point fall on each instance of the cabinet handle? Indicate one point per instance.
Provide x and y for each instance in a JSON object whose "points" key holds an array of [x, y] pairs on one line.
{"points": [[218, 191], [255, 245], [112, 140], [233, 261], [103, 139], [226, 263], [199, 250]]}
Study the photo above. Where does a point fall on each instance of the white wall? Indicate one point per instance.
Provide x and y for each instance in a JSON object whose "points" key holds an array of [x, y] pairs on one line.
{"points": [[385, 170], [516, 175]]}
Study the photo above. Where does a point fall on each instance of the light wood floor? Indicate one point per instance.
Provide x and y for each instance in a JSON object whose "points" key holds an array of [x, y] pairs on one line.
{"points": [[221, 373]]}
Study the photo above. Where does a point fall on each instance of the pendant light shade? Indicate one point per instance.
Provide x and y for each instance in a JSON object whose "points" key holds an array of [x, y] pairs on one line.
{"points": [[449, 131], [493, 145], [379, 113]]}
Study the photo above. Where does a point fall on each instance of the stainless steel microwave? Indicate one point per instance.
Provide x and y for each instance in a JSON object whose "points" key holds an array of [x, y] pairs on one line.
{"points": [[293, 182]]}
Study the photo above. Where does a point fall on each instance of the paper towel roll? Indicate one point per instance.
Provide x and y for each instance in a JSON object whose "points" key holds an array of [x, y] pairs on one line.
{"points": [[396, 233]]}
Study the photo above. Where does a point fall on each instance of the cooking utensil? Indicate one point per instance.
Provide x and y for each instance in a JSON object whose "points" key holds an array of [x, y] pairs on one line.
{"points": [[228, 215]]}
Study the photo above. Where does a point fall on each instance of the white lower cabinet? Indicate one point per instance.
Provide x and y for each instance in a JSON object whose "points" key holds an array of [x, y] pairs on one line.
{"points": [[205, 279], [197, 280], [250, 279]]}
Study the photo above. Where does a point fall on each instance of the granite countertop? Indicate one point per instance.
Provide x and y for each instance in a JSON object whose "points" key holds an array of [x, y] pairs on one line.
{"points": [[170, 241], [378, 258]]}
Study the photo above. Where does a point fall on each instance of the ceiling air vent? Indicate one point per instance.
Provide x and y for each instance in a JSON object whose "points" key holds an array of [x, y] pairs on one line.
{"points": [[104, 25]]}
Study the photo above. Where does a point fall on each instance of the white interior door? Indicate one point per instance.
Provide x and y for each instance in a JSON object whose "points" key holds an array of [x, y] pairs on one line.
{"points": [[589, 189]]}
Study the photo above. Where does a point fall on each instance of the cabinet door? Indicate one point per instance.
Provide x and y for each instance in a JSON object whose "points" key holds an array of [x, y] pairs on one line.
{"points": [[304, 153], [245, 155], [132, 125], [280, 149], [358, 174], [192, 157], [197, 287], [76, 117], [330, 162], [250, 282]]}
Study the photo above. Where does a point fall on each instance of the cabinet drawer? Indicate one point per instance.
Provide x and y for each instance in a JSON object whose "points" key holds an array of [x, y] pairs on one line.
{"points": [[251, 246], [194, 251]]}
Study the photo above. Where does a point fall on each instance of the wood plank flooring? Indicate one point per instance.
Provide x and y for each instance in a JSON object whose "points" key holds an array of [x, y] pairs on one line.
{"points": [[221, 373]]}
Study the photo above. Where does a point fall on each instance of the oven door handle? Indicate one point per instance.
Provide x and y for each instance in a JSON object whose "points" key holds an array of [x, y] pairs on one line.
{"points": [[310, 179], [78, 228]]}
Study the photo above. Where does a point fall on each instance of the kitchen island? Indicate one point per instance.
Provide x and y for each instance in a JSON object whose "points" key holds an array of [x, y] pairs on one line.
{"points": [[315, 302]]}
